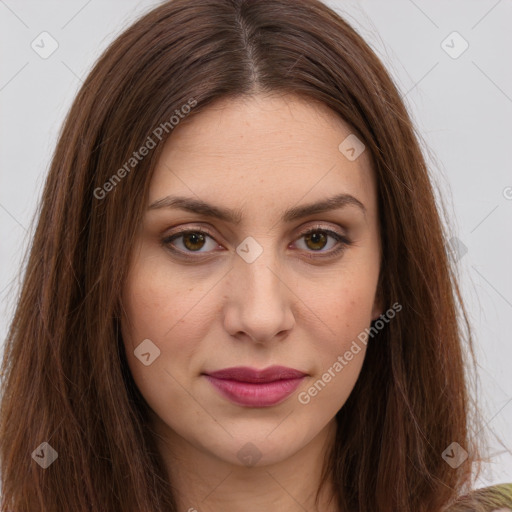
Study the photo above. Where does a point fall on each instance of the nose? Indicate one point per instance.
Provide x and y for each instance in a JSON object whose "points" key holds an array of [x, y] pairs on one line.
{"points": [[259, 302]]}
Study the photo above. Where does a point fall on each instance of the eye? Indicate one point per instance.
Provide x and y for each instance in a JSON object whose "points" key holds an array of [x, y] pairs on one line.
{"points": [[317, 239], [192, 241], [314, 241]]}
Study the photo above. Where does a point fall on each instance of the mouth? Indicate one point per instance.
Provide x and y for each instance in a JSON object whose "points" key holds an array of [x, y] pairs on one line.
{"points": [[251, 387]]}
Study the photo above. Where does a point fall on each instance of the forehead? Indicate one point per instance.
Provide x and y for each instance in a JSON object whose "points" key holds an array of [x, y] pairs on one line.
{"points": [[263, 149]]}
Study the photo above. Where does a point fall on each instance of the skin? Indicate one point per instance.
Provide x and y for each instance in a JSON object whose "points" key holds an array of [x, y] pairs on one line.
{"points": [[262, 155]]}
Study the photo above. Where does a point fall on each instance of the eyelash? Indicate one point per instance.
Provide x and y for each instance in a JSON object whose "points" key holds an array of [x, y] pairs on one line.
{"points": [[343, 242]]}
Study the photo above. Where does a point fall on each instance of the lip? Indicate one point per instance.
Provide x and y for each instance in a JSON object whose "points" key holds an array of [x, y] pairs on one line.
{"points": [[251, 387]]}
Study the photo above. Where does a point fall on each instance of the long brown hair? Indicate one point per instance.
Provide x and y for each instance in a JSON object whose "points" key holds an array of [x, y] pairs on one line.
{"points": [[65, 376]]}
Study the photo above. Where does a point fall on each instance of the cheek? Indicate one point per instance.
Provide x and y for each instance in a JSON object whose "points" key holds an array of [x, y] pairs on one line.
{"points": [[153, 313], [158, 301], [169, 309], [345, 307], [348, 318], [340, 356]]}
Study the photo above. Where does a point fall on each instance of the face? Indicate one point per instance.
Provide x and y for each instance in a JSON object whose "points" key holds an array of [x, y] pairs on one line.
{"points": [[275, 285]]}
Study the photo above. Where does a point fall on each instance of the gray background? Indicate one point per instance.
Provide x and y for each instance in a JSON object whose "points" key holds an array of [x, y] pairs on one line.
{"points": [[461, 106]]}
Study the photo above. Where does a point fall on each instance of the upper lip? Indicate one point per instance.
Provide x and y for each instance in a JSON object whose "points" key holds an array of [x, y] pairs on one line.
{"points": [[248, 374]]}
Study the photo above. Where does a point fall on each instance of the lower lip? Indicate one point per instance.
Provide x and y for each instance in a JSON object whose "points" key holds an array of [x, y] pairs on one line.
{"points": [[250, 394]]}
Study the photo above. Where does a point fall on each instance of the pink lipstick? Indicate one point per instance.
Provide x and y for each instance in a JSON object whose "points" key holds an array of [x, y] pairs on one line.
{"points": [[251, 387]]}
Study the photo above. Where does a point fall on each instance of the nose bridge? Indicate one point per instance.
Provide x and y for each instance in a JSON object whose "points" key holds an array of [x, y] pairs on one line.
{"points": [[258, 296], [257, 268]]}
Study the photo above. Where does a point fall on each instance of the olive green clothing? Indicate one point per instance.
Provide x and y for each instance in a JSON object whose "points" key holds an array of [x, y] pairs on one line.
{"points": [[496, 498]]}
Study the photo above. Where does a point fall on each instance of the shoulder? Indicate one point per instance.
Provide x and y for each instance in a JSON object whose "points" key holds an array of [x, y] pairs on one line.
{"points": [[496, 498]]}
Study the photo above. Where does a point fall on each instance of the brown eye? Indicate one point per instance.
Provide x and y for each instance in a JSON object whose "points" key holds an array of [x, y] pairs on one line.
{"points": [[193, 241], [316, 240], [190, 241]]}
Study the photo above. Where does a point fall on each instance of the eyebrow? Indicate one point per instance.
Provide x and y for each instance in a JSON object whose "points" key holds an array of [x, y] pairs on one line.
{"points": [[235, 216]]}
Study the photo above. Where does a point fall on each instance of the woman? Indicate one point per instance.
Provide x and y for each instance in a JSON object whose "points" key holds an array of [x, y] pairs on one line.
{"points": [[310, 356]]}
